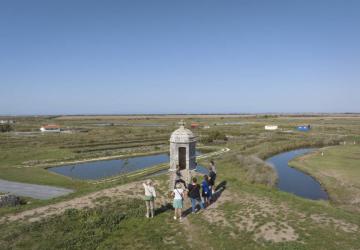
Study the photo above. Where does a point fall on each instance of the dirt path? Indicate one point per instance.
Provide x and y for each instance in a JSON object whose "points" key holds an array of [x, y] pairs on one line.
{"points": [[133, 189]]}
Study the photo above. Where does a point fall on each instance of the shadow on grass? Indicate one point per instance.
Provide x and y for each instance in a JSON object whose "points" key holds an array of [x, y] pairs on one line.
{"points": [[163, 208]]}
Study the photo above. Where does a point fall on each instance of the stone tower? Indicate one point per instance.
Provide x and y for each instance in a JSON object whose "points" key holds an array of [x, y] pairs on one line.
{"points": [[182, 153]]}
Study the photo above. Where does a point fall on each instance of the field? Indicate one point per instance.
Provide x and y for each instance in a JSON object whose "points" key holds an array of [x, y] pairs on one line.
{"points": [[338, 169], [249, 213]]}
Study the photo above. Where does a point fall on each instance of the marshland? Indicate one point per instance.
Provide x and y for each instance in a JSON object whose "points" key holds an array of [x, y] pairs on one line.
{"points": [[251, 212]]}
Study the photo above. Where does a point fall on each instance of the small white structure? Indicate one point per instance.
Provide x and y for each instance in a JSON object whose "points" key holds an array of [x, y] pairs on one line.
{"points": [[182, 154], [271, 127], [7, 122], [50, 128]]}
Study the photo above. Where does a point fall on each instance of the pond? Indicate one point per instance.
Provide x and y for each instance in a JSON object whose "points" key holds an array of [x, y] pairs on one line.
{"points": [[294, 181], [104, 169]]}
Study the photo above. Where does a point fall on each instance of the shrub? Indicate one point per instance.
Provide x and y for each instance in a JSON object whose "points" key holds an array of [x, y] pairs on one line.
{"points": [[214, 136], [5, 128], [257, 171]]}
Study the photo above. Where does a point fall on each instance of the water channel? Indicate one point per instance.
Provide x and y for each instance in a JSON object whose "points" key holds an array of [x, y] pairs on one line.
{"points": [[290, 179], [295, 181], [104, 169]]}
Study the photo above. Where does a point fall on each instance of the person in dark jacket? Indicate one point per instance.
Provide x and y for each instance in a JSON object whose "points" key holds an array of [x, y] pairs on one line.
{"points": [[206, 190], [212, 165], [212, 178], [194, 195]]}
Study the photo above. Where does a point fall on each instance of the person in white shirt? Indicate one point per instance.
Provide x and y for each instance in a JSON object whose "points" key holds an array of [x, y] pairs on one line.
{"points": [[178, 194], [149, 198], [212, 165]]}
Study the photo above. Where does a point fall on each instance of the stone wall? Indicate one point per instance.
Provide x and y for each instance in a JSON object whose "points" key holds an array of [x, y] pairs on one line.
{"points": [[9, 200]]}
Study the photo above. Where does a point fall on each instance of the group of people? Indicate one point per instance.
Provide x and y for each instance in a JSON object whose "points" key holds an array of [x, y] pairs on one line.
{"points": [[201, 195]]}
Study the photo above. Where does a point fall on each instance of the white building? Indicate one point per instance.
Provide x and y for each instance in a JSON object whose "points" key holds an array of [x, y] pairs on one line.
{"points": [[50, 128], [271, 127], [7, 122]]}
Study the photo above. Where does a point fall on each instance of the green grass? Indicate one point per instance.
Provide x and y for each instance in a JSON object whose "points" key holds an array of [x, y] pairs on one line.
{"points": [[296, 214], [42, 150], [338, 170], [121, 224]]}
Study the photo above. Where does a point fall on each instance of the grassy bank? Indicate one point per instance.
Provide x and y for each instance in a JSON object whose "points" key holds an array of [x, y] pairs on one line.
{"points": [[338, 170], [245, 216]]}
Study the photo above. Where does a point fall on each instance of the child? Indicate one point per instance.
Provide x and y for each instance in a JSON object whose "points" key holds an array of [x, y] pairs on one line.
{"points": [[149, 198], [178, 201]]}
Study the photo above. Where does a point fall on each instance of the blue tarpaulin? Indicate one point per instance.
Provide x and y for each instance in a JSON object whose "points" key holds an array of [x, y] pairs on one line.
{"points": [[303, 128]]}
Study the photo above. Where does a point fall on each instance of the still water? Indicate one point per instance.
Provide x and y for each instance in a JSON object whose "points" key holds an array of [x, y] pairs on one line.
{"points": [[105, 169], [294, 181]]}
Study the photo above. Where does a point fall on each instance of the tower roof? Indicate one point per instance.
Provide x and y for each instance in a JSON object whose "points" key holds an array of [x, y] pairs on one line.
{"points": [[182, 135]]}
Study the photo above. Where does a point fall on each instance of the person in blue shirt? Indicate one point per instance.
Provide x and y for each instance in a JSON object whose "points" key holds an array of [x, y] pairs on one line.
{"points": [[206, 190]]}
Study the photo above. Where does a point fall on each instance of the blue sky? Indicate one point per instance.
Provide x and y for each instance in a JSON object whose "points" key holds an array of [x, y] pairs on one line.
{"points": [[105, 57]]}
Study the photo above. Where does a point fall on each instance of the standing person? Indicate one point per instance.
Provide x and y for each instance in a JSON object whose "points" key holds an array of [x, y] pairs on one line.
{"points": [[206, 190], [212, 178], [149, 198], [178, 200], [212, 165], [194, 194], [178, 176]]}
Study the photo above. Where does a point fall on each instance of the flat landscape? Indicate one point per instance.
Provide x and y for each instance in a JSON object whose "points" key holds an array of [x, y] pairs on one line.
{"points": [[108, 107], [249, 213]]}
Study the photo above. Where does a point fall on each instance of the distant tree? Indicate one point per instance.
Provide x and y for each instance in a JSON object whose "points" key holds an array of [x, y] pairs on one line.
{"points": [[5, 128], [214, 135]]}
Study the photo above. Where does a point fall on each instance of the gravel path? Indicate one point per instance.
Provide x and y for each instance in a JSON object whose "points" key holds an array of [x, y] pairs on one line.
{"points": [[41, 192]]}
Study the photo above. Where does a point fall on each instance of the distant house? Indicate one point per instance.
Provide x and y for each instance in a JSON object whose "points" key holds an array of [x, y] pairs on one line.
{"points": [[271, 127], [303, 128], [195, 125], [50, 128], [7, 122]]}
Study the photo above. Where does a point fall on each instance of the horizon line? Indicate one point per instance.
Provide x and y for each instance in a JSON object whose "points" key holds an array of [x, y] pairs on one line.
{"points": [[180, 114]]}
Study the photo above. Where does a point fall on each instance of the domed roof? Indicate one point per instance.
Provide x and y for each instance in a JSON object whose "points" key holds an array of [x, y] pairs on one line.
{"points": [[182, 135]]}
